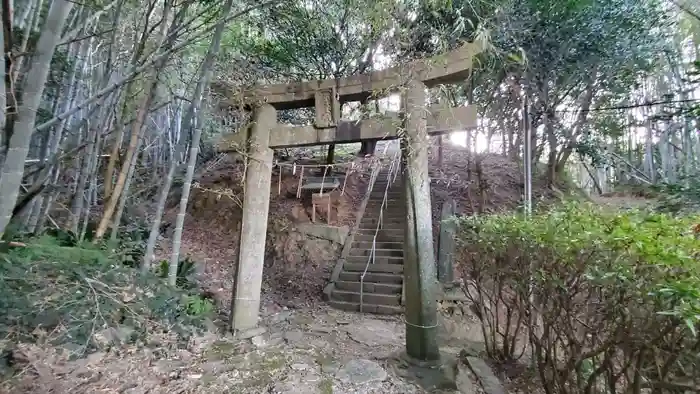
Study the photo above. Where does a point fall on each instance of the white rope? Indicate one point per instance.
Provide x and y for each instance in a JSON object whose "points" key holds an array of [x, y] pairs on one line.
{"points": [[301, 178], [279, 180], [345, 181], [323, 180], [419, 326]]}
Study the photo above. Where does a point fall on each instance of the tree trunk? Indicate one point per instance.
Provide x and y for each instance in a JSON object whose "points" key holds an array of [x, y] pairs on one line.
{"points": [[114, 155], [36, 15], [3, 92], [136, 131], [13, 166], [553, 145], [649, 153], [160, 208], [39, 200], [330, 157], [137, 127], [368, 148], [92, 189], [196, 132], [131, 167]]}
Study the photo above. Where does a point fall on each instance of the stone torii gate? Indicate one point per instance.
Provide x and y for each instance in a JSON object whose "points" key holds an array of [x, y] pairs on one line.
{"points": [[327, 96]]}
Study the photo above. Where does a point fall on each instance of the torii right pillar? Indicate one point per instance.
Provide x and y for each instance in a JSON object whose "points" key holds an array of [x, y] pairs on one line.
{"points": [[420, 274]]}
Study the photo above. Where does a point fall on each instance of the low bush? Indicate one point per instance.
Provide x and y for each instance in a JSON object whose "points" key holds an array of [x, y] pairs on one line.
{"points": [[606, 302]]}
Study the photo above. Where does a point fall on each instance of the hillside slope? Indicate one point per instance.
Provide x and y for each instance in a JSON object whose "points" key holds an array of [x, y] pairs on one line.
{"points": [[296, 266]]}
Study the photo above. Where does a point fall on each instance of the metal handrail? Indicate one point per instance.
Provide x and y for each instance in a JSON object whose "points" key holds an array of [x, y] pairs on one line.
{"points": [[390, 178]]}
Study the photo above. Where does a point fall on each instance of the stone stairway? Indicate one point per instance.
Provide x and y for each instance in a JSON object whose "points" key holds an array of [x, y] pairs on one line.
{"points": [[383, 282]]}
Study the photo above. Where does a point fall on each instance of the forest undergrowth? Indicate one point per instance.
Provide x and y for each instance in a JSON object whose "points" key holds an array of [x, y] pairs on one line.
{"points": [[78, 298]]}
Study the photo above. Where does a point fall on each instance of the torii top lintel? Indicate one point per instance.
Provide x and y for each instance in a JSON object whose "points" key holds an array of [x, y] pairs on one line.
{"points": [[451, 67]]}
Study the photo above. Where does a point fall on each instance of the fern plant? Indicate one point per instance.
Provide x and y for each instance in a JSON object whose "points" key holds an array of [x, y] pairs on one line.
{"points": [[185, 268]]}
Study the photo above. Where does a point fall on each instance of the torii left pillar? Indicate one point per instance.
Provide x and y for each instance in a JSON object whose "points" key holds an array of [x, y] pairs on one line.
{"points": [[256, 206]]}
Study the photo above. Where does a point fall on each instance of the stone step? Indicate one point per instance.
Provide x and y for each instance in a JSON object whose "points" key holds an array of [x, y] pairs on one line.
{"points": [[379, 195], [385, 220], [384, 233], [388, 217], [360, 252], [367, 244], [377, 200], [381, 184], [384, 226], [371, 277], [372, 228], [381, 237], [367, 298], [381, 187], [393, 188], [369, 287], [388, 212], [363, 230], [381, 266], [383, 179], [379, 190], [376, 204], [391, 206], [367, 308]]}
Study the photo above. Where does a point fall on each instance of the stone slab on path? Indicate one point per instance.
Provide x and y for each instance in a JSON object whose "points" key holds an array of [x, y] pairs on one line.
{"points": [[488, 380], [375, 332], [361, 371]]}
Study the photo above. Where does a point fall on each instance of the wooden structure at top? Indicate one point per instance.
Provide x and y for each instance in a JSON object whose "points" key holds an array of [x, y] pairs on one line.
{"points": [[327, 96]]}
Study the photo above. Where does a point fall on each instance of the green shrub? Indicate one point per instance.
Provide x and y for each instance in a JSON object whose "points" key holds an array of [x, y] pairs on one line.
{"points": [[607, 301], [54, 249], [185, 270], [196, 305]]}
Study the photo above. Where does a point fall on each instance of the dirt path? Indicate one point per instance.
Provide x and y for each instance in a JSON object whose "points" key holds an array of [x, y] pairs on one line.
{"points": [[315, 350]]}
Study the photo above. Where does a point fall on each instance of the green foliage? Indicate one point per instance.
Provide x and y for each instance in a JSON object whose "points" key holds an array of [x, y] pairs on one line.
{"points": [[320, 39], [61, 249], [617, 292], [185, 269], [443, 25], [196, 305], [131, 245]]}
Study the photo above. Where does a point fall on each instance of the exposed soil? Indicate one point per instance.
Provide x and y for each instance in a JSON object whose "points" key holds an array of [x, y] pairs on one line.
{"points": [[296, 267]]}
